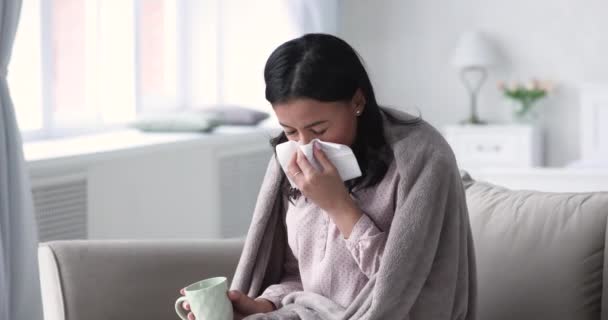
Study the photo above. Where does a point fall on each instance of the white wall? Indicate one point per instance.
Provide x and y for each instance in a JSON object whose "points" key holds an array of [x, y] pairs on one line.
{"points": [[407, 47]]}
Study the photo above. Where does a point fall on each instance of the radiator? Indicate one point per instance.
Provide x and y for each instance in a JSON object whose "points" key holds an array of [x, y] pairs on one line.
{"points": [[60, 203], [240, 177], [203, 187]]}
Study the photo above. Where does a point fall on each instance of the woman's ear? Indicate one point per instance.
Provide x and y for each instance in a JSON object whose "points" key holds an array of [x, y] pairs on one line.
{"points": [[358, 102]]}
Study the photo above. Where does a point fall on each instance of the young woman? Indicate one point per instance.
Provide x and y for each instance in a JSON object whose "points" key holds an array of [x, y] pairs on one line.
{"points": [[394, 243]]}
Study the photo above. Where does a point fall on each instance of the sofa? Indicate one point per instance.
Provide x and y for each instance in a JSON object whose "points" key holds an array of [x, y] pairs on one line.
{"points": [[539, 256]]}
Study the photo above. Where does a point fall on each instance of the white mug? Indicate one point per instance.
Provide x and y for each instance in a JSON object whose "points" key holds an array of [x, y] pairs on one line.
{"points": [[208, 300]]}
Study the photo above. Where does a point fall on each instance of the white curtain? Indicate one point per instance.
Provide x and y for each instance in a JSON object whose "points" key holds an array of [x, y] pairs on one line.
{"points": [[19, 282]]}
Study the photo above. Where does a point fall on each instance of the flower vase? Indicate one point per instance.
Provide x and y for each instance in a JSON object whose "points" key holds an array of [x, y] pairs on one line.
{"points": [[525, 113]]}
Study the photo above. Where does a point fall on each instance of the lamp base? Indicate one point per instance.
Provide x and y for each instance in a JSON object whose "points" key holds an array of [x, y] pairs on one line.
{"points": [[473, 121], [468, 76]]}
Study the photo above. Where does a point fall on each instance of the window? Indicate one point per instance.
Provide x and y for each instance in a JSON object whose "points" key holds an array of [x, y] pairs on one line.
{"points": [[157, 54], [81, 65], [86, 64]]}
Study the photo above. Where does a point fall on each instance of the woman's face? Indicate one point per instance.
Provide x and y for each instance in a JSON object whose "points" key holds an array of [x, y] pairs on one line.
{"points": [[306, 119]]}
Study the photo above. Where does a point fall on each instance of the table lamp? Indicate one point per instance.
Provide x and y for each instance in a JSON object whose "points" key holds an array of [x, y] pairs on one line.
{"points": [[473, 55]]}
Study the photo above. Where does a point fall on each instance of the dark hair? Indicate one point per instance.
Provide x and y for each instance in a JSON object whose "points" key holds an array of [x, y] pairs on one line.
{"points": [[325, 68]]}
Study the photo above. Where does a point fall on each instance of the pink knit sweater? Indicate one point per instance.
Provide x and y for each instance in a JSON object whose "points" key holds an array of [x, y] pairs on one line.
{"points": [[319, 259]]}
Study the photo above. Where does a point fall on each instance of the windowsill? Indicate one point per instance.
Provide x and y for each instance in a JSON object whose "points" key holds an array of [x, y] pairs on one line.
{"points": [[84, 149]]}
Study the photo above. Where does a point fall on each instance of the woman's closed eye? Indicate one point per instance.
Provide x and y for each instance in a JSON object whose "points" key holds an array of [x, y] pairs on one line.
{"points": [[316, 132]]}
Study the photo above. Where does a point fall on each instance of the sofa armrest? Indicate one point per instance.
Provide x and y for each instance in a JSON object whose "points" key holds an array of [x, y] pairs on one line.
{"points": [[114, 279]]}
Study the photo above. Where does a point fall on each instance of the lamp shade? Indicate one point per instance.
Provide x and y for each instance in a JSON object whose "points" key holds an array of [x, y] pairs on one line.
{"points": [[474, 50]]}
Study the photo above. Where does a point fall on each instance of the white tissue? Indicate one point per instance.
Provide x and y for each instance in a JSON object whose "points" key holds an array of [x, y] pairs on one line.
{"points": [[341, 156]]}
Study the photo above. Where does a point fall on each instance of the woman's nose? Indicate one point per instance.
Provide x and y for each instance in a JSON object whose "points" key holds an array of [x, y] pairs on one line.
{"points": [[305, 138]]}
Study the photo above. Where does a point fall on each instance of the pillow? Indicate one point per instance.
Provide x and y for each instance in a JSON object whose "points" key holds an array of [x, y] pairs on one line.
{"points": [[177, 122], [235, 115], [539, 255]]}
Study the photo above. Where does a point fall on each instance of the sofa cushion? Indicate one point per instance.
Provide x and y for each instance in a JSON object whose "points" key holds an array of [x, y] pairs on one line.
{"points": [[186, 121], [539, 255], [236, 115]]}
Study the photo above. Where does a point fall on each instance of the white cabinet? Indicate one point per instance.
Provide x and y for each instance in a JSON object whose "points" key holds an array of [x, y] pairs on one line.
{"points": [[510, 146]]}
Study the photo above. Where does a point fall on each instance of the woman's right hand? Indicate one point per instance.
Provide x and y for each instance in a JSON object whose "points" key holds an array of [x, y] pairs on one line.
{"points": [[186, 305], [242, 305]]}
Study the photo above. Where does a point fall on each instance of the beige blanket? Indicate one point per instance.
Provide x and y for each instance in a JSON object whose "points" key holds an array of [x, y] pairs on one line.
{"points": [[428, 266]]}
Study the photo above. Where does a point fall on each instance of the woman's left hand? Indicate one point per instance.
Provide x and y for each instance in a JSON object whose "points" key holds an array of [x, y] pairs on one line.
{"points": [[324, 187]]}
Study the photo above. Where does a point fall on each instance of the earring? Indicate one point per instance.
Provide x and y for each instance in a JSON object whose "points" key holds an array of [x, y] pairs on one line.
{"points": [[358, 112]]}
